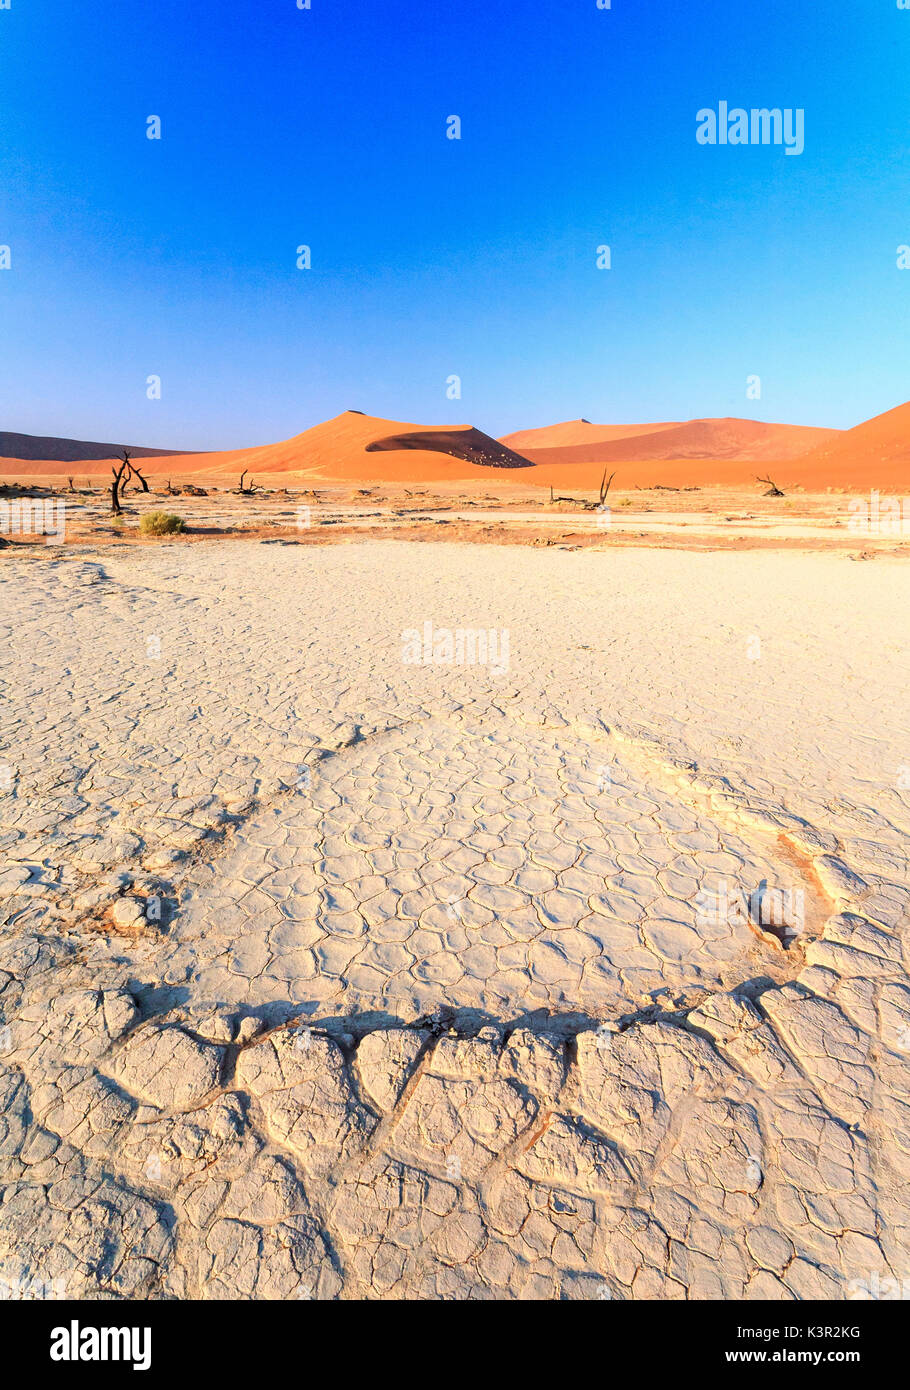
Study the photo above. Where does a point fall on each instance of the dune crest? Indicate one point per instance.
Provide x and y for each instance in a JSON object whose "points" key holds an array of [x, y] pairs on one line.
{"points": [[569, 433], [50, 447], [464, 442], [342, 448], [366, 449], [876, 452], [727, 438]]}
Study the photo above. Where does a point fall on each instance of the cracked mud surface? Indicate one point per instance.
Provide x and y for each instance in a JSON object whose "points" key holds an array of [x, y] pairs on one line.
{"points": [[323, 975]]}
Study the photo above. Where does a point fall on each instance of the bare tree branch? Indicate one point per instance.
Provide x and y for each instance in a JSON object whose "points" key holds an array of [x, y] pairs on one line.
{"points": [[134, 473], [605, 486], [118, 473], [774, 490]]}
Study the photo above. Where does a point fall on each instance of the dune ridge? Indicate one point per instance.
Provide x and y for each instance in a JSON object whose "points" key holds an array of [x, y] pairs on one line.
{"points": [[724, 438], [571, 432], [52, 448], [879, 448], [365, 449]]}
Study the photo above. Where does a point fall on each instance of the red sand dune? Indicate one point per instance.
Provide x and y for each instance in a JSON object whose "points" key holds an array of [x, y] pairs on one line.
{"points": [[363, 449], [354, 446], [350, 446], [463, 442], [730, 438], [44, 447], [571, 432], [873, 454]]}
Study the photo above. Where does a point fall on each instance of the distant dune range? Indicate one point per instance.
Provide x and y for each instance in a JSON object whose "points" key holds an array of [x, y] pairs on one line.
{"points": [[573, 432], [350, 447], [364, 449], [730, 438], [45, 447]]}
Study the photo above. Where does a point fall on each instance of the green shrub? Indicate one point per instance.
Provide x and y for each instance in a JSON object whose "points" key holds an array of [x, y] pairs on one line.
{"points": [[161, 524]]}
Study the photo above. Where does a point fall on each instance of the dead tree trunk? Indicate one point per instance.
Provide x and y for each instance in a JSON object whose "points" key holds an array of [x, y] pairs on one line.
{"points": [[118, 473], [773, 489], [134, 473], [126, 473]]}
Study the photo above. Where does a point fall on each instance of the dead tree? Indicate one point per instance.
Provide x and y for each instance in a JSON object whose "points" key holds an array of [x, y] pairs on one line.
{"points": [[773, 489], [246, 491], [118, 472], [134, 473], [126, 472], [605, 486]]}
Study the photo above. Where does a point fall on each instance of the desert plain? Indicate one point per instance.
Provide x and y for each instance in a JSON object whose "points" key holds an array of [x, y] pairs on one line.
{"points": [[431, 875]]}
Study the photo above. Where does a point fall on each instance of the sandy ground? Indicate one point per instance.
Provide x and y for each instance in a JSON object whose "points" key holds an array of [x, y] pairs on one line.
{"points": [[329, 970], [703, 518]]}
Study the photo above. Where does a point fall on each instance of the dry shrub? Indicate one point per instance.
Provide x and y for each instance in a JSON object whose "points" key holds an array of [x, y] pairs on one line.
{"points": [[161, 524]]}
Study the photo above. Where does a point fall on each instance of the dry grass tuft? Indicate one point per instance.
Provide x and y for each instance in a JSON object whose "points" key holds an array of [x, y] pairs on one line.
{"points": [[161, 524]]}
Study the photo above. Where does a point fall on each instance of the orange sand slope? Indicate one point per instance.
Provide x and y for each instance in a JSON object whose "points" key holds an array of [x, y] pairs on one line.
{"points": [[572, 432], [43, 447], [351, 447], [364, 449], [745, 440], [877, 451]]}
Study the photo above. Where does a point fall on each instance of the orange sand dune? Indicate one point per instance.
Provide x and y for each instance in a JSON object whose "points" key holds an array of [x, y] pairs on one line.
{"points": [[571, 432], [463, 442], [729, 438], [873, 454], [350, 446], [365, 450], [43, 447], [347, 446], [157, 466]]}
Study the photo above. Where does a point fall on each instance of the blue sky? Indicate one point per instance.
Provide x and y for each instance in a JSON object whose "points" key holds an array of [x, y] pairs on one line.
{"points": [[431, 257]]}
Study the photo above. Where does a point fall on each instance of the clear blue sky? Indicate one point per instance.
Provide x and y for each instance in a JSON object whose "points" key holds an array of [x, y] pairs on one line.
{"points": [[133, 257]]}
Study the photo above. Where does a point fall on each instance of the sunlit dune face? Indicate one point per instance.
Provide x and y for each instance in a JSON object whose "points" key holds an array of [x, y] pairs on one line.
{"points": [[368, 450]]}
